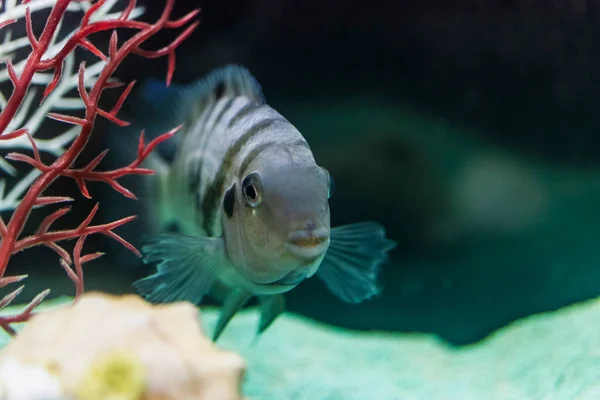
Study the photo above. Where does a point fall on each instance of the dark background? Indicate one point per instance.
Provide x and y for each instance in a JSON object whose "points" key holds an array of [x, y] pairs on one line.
{"points": [[398, 100]]}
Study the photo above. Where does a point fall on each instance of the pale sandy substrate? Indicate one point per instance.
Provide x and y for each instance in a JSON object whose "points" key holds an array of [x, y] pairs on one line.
{"points": [[552, 356]]}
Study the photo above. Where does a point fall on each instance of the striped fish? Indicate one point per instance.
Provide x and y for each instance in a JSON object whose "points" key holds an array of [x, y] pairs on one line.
{"points": [[249, 203]]}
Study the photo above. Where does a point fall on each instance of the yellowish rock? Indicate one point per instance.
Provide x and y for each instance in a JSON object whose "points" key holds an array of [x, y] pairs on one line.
{"points": [[108, 347], [118, 376]]}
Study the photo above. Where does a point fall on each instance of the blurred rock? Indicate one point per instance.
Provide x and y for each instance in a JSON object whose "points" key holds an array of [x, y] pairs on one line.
{"points": [[397, 185], [118, 347], [496, 194]]}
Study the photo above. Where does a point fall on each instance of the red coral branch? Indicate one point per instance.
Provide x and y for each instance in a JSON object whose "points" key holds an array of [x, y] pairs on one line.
{"points": [[10, 233], [2, 228], [7, 22], [42, 236], [110, 177], [77, 275]]}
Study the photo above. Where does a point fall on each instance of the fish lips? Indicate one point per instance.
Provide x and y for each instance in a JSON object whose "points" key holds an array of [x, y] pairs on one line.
{"points": [[308, 245]]}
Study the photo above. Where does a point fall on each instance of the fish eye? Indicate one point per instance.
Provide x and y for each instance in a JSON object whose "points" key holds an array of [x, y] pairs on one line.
{"points": [[251, 190], [330, 182]]}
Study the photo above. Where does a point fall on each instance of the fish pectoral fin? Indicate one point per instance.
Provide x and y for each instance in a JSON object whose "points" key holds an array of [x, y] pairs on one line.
{"points": [[351, 265], [235, 300], [271, 307], [186, 267]]}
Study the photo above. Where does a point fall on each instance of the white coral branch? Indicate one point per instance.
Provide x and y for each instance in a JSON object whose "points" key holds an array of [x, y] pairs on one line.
{"points": [[62, 98], [53, 102], [10, 201]]}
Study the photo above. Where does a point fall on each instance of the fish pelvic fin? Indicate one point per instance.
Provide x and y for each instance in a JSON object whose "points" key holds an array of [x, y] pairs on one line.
{"points": [[234, 301], [351, 265], [271, 307], [186, 267]]}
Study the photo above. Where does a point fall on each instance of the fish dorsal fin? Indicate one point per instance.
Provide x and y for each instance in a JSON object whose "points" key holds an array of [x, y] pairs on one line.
{"points": [[229, 81], [158, 108]]}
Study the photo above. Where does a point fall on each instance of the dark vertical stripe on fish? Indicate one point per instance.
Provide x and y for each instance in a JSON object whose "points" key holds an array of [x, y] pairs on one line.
{"points": [[193, 177], [263, 146], [219, 89], [253, 154], [226, 108], [229, 201], [301, 143], [209, 113], [198, 166], [245, 110], [195, 174], [192, 117], [214, 192]]}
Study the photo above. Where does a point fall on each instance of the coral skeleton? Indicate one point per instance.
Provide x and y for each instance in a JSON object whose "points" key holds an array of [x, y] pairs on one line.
{"points": [[49, 72]]}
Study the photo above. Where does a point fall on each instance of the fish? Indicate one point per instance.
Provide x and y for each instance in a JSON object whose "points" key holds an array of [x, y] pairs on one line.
{"points": [[238, 207]]}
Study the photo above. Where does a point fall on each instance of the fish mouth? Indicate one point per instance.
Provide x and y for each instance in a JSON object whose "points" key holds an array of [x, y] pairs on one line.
{"points": [[308, 245]]}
